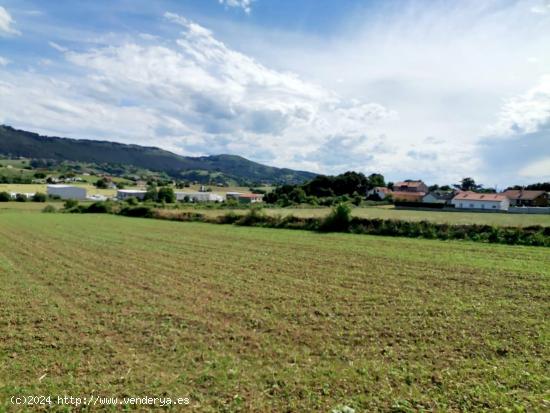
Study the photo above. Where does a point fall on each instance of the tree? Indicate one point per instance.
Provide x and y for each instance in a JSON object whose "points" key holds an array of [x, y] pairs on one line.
{"points": [[151, 194], [20, 198], [297, 195], [102, 183], [468, 184], [166, 194], [375, 180]]}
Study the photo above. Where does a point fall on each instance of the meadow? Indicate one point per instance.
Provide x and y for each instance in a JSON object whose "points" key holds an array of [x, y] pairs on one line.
{"points": [[254, 319], [389, 212]]}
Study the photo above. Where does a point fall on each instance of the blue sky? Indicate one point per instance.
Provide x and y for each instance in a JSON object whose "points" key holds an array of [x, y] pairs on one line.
{"points": [[429, 89]]}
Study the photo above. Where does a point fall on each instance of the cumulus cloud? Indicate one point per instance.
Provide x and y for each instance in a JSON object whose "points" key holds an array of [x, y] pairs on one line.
{"points": [[6, 23], [525, 113], [4, 61], [197, 96], [411, 96], [246, 5], [517, 146]]}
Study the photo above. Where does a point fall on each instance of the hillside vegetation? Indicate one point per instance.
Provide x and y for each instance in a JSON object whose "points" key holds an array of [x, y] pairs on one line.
{"points": [[19, 143], [261, 320]]}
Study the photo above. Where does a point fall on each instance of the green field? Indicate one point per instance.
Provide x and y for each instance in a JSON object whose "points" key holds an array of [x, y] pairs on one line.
{"points": [[254, 319], [408, 215]]}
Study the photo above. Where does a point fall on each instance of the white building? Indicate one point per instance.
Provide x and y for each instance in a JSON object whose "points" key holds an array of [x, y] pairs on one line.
{"points": [[474, 200], [198, 197], [130, 193], [67, 191]]}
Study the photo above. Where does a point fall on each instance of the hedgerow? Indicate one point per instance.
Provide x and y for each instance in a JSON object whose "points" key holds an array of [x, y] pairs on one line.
{"points": [[339, 220]]}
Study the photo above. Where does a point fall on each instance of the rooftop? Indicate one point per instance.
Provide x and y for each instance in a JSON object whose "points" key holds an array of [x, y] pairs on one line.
{"points": [[522, 194], [476, 196]]}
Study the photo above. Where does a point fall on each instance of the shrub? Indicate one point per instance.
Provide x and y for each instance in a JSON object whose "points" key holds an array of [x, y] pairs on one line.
{"points": [[100, 207], [142, 211], [49, 209], [338, 220], [20, 198], [39, 197], [70, 203], [229, 218], [254, 216], [132, 201], [5, 197]]}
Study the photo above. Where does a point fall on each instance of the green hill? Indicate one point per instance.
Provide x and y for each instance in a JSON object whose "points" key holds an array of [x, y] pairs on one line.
{"points": [[19, 143]]}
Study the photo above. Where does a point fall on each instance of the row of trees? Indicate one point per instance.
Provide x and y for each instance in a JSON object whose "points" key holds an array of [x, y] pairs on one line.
{"points": [[326, 190]]}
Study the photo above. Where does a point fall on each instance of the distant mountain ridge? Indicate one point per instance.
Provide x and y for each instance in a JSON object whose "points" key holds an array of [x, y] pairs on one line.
{"points": [[20, 143]]}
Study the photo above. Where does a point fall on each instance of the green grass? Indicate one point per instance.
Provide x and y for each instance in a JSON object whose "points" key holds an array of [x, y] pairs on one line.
{"points": [[253, 319]]}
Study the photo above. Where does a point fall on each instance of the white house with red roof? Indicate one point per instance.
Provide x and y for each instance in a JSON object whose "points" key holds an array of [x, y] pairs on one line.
{"points": [[481, 201]]}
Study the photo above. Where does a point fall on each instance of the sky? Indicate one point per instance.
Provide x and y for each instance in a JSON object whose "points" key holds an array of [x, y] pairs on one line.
{"points": [[432, 90]]}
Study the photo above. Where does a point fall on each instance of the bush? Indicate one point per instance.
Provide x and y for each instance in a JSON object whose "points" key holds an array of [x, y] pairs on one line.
{"points": [[49, 209], [100, 207], [229, 218], [39, 197], [70, 203], [132, 201], [5, 197], [20, 198], [338, 220], [142, 211], [254, 216]]}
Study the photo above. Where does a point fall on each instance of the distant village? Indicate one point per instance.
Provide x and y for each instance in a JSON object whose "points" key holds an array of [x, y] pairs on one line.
{"points": [[411, 194], [416, 194]]}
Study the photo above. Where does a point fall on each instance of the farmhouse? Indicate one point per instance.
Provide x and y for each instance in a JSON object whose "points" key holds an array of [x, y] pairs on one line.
{"points": [[520, 197], [198, 197], [130, 193], [67, 191], [410, 186], [474, 200]]}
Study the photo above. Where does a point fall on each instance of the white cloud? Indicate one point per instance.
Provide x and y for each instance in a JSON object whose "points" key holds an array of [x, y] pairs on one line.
{"points": [[197, 97], [525, 113], [246, 5], [58, 47], [4, 61], [6, 23], [366, 98], [537, 170]]}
